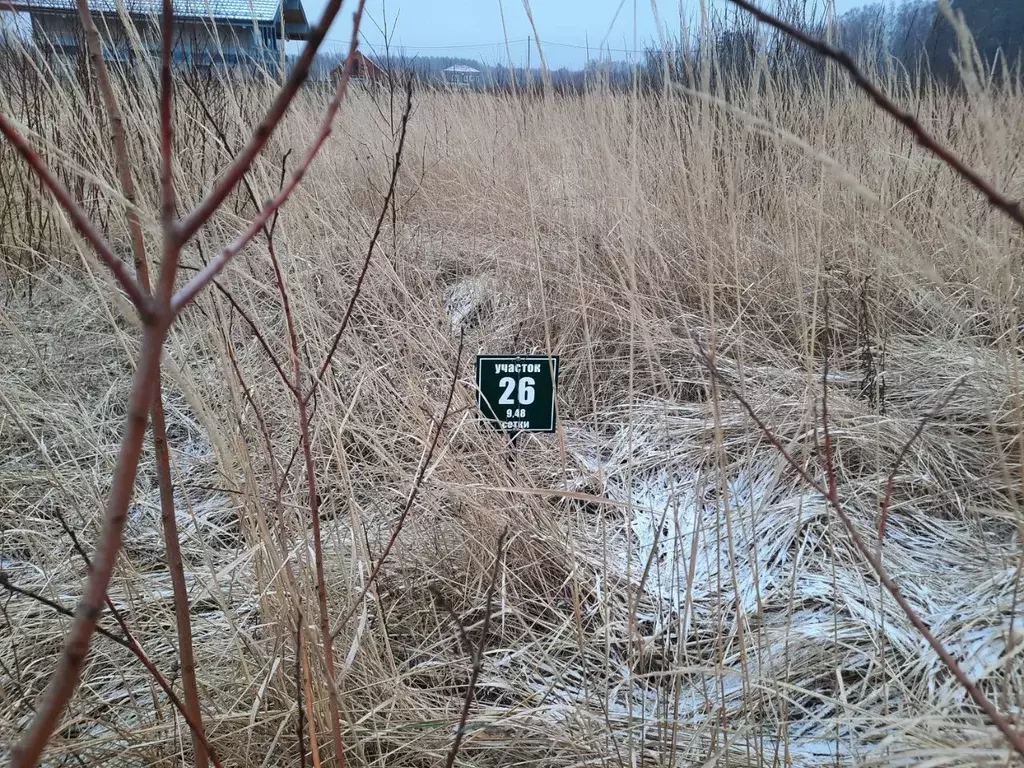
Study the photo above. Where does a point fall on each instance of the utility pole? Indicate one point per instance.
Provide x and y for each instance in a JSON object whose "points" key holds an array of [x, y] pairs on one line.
{"points": [[528, 48]]}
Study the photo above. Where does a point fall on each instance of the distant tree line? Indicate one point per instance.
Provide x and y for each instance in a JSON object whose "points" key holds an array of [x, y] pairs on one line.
{"points": [[912, 34], [917, 31]]}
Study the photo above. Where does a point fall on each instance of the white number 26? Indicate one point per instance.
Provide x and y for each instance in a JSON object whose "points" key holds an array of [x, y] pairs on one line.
{"points": [[526, 391]]}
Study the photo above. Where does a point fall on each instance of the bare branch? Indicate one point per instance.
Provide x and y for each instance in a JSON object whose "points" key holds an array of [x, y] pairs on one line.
{"points": [[172, 245], [10, 586], [175, 565], [78, 217], [996, 199], [196, 284], [117, 135], [167, 512], [1012, 734], [891, 480], [314, 501], [157, 315], [413, 493], [127, 639], [64, 680], [373, 242], [191, 223], [478, 653], [298, 689], [128, 642]]}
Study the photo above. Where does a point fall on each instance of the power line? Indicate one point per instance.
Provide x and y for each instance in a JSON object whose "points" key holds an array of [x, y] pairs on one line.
{"points": [[500, 44], [589, 47], [438, 47]]}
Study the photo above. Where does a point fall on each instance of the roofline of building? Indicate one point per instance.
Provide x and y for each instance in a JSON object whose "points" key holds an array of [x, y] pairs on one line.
{"points": [[294, 31], [373, 62], [29, 7]]}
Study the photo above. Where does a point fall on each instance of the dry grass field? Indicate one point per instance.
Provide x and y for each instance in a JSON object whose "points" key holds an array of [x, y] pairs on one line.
{"points": [[671, 593]]}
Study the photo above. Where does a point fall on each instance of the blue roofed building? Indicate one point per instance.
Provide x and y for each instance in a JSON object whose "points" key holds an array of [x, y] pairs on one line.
{"points": [[206, 32]]}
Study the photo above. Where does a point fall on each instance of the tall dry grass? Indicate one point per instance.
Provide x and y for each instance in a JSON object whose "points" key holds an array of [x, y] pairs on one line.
{"points": [[670, 593]]}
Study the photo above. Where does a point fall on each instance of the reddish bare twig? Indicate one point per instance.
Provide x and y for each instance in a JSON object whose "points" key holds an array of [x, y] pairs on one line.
{"points": [[413, 493], [211, 270], [157, 316], [78, 217], [314, 500], [179, 589], [996, 199], [890, 482], [298, 689], [129, 643], [127, 640], [10, 586], [477, 652], [172, 242], [65, 678], [117, 136], [191, 223], [226, 143], [373, 242], [252, 327], [183, 616], [194, 723], [1012, 735]]}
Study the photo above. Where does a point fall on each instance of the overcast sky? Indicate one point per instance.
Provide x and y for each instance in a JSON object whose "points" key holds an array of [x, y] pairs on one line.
{"points": [[473, 28]]}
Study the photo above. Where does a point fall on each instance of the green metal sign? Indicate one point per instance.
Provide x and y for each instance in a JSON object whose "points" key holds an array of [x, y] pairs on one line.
{"points": [[517, 394]]}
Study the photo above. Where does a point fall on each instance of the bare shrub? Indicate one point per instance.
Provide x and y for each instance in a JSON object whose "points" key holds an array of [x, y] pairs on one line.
{"points": [[670, 591]]}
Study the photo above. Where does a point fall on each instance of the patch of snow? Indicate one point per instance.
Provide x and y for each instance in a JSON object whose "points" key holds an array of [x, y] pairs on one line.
{"points": [[467, 298]]}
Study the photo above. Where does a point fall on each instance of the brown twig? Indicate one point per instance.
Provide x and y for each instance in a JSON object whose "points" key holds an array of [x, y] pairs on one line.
{"points": [[373, 242], [14, 674], [127, 638], [260, 421], [314, 499], [1012, 209], [891, 480], [211, 270], [129, 643], [172, 240], [252, 326], [78, 217], [126, 641], [10, 586], [477, 653], [168, 518], [280, 185], [117, 136], [996, 199], [65, 678], [1012, 735], [298, 689], [175, 565], [222, 137], [157, 316], [413, 493], [314, 747], [191, 223]]}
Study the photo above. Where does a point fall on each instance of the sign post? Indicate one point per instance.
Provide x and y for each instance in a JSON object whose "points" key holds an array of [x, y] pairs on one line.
{"points": [[517, 393]]}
